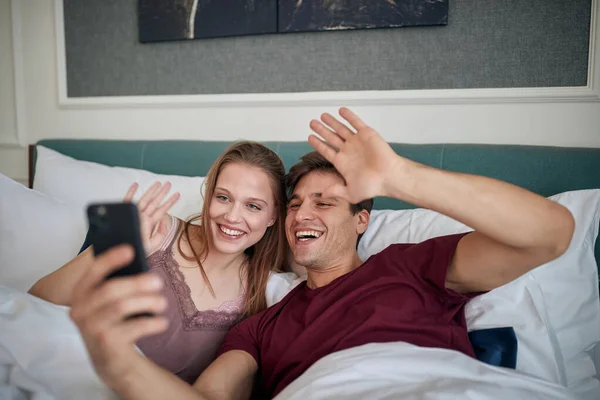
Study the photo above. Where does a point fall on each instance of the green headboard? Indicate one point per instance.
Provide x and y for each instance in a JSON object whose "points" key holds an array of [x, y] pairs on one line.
{"points": [[541, 169]]}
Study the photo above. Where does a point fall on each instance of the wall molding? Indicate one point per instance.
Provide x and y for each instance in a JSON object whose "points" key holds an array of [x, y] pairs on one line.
{"points": [[589, 93], [20, 140]]}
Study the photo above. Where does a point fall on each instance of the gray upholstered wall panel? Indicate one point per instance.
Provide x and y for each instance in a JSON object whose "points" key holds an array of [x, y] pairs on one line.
{"points": [[486, 44]]}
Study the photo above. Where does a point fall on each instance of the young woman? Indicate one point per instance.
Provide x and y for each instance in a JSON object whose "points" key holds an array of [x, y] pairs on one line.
{"points": [[214, 266]]}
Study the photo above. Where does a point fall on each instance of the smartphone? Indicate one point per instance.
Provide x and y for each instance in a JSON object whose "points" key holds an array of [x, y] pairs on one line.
{"points": [[111, 224]]}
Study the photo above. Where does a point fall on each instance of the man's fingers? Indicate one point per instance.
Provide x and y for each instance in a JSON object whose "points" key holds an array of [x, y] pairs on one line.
{"points": [[352, 118], [323, 148], [107, 262], [337, 190], [330, 136], [337, 126], [131, 192]]}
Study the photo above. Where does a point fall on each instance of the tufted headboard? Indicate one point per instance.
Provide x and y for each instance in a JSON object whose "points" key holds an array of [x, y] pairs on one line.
{"points": [[543, 170]]}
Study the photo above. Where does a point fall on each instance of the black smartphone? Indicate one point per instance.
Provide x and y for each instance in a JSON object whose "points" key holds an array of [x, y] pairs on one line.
{"points": [[111, 224]]}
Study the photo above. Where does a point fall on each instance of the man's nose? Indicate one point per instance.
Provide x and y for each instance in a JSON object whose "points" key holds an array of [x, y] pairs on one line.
{"points": [[304, 212]]}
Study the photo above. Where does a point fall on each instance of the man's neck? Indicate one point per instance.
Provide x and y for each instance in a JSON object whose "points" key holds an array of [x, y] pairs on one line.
{"points": [[319, 277]]}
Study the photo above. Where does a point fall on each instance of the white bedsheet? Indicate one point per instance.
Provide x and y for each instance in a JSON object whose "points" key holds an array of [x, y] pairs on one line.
{"points": [[404, 371], [42, 352]]}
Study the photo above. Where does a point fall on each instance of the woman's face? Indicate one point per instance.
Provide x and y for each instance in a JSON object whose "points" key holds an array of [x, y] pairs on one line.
{"points": [[241, 208]]}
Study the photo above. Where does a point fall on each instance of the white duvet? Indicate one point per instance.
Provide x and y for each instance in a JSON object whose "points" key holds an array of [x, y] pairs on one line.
{"points": [[403, 371], [42, 357]]}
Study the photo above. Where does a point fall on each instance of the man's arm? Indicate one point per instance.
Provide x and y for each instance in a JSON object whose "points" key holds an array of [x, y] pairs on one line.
{"points": [[515, 230], [229, 377]]}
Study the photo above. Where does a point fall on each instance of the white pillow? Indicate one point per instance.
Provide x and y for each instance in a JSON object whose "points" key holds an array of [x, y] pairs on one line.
{"points": [[570, 287], [45, 350], [82, 182], [38, 234], [558, 306], [280, 284]]}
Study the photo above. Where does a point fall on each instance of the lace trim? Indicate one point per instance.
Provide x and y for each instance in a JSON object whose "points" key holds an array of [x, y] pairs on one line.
{"points": [[220, 318]]}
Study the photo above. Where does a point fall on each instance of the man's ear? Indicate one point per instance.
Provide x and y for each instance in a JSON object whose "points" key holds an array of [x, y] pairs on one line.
{"points": [[363, 221]]}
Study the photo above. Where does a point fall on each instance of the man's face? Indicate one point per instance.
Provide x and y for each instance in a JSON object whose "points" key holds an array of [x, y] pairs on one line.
{"points": [[320, 227]]}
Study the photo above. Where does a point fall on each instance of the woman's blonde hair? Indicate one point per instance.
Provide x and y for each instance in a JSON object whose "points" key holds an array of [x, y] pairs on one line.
{"points": [[269, 252]]}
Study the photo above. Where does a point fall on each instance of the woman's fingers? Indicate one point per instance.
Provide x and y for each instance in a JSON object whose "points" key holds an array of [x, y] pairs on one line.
{"points": [[134, 329], [107, 262], [148, 196], [131, 192], [159, 196], [164, 208], [117, 289], [117, 311]]}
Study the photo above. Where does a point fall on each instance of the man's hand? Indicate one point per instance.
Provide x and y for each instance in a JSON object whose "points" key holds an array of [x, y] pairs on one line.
{"points": [[100, 310], [365, 160]]}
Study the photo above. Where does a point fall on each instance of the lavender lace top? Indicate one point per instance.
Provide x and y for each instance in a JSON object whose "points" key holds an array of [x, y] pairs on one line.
{"points": [[191, 342]]}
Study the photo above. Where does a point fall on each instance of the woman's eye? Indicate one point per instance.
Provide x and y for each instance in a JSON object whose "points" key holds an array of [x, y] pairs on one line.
{"points": [[222, 198], [254, 207]]}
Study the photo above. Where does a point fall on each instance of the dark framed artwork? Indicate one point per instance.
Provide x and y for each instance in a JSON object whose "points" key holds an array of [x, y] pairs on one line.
{"points": [[324, 15], [166, 20]]}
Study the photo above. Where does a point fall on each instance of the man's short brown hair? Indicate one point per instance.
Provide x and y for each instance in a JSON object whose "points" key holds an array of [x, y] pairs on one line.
{"points": [[312, 162]]}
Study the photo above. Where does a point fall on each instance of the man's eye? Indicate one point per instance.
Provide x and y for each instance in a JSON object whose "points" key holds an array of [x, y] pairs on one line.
{"points": [[293, 206], [323, 204]]}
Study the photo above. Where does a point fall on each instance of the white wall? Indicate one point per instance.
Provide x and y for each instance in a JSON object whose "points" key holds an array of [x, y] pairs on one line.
{"points": [[10, 154], [8, 127], [466, 116]]}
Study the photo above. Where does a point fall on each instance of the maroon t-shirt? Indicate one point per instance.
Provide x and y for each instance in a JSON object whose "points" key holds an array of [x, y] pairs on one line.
{"points": [[398, 295]]}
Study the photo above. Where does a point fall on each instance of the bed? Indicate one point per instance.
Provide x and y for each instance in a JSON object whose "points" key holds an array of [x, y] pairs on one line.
{"points": [[555, 309]]}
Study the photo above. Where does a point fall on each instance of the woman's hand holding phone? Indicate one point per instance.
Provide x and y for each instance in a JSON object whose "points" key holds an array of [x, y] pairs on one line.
{"points": [[101, 309]]}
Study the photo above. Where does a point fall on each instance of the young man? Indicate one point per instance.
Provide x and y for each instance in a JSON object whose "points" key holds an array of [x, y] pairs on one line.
{"points": [[411, 293]]}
